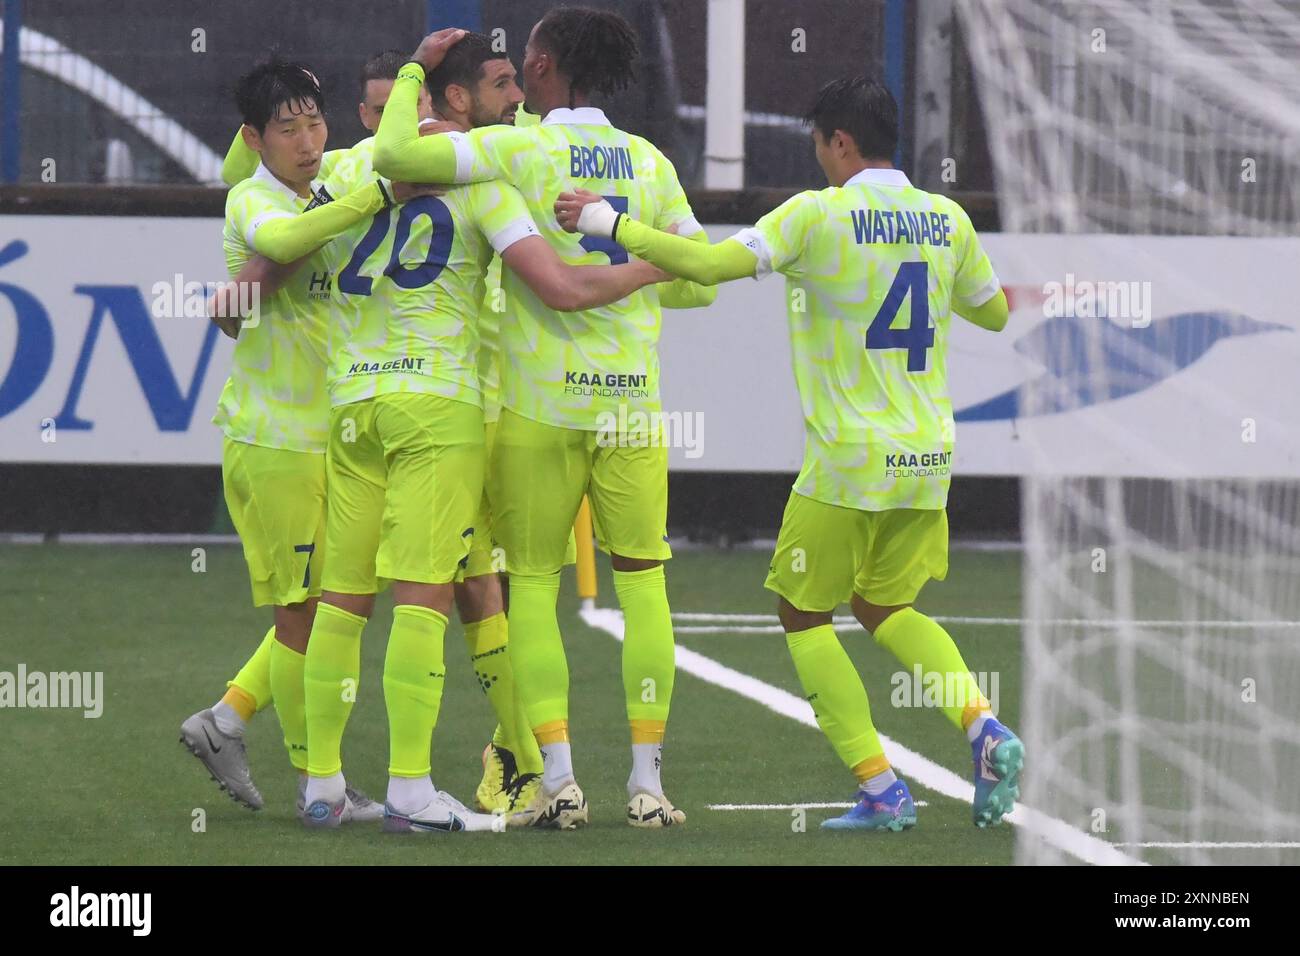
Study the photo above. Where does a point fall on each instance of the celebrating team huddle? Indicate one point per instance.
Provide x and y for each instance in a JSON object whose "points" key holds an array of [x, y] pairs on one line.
{"points": [[450, 315]]}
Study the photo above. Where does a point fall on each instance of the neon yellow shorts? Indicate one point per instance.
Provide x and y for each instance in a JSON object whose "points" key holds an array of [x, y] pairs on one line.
{"points": [[276, 500], [487, 556], [539, 474], [405, 475], [825, 554]]}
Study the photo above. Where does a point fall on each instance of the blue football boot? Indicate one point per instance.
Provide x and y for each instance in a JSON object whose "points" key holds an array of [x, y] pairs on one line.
{"points": [[999, 756], [891, 810]]}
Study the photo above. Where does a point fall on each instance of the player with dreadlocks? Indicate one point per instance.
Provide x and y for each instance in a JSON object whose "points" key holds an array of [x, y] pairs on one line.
{"points": [[580, 390]]}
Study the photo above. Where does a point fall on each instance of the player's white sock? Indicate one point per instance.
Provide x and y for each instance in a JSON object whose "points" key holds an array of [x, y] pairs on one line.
{"points": [[646, 759], [557, 766], [331, 789], [977, 726], [408, 794], [228, 720], [875, 786]]}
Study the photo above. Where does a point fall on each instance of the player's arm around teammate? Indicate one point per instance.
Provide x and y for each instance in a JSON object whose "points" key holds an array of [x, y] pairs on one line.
{"points": [[273, 412], [260, 276], [560, 286], [401, 152], [551, 416], [871, 534], [402, 460], [586, 212]]}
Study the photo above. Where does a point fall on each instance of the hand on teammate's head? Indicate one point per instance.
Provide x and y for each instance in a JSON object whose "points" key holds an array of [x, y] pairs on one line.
{"points": [[435, 46]]}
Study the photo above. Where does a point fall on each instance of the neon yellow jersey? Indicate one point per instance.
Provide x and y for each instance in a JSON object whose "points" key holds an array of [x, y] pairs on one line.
{"points": [[489, 319], [275, 395], [573, 368], [489, 342], [872, 270], [409, 283]]}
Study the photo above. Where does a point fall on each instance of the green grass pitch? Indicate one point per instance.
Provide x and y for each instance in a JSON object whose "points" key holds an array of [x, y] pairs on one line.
{"points": [[120, 789]]}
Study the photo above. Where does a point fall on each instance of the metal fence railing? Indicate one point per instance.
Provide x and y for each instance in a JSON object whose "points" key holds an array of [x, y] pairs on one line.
{"points": [[92, 95]]}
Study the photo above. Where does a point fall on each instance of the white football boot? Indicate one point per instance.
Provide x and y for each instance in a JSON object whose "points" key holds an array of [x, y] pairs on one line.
{"points": [[566, 809], [356, 808], [443, 814], [224, 757], [651, 811]]}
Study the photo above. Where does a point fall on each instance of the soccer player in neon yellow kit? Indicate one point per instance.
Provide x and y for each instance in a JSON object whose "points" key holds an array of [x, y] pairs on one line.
{"points": [[567, 383], [476, 87], [250, 690], [882, 266], [406, 458], [274, 413]]}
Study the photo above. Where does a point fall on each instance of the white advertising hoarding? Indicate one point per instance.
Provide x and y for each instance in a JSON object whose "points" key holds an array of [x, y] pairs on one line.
{"points": [[98, 366]]}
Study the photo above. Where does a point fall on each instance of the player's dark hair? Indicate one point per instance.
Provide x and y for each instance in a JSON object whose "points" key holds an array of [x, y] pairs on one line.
{"points": [[864, 108], [463, 65], [272, 84], [382, 66], [595, 49]]}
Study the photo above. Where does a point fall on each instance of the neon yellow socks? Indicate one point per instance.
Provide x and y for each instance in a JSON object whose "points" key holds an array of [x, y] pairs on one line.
{"points": [[253, 680], [489, 651], [542, 675], [838, 698], [648, 650], [331, 675], [541, 671], [648, 670], [287, 687], [917, 640], [486, 644], [413, 679]]}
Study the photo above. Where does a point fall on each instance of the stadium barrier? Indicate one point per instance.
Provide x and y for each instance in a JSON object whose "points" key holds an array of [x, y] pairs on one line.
{"points": [[99, 366]]}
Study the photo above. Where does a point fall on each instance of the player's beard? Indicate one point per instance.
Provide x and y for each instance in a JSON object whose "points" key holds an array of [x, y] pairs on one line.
{"points": [[478, 116]]}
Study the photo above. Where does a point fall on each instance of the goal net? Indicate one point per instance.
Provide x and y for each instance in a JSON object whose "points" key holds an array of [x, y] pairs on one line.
{"points": [[1158, 143]]}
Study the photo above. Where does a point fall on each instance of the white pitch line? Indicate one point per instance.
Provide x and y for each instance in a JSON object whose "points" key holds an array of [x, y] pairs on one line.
{"points": [[790, 806], [771, 623], [779, 806], [908, 762], [683, 543], [19, 537], [1215, 846]]}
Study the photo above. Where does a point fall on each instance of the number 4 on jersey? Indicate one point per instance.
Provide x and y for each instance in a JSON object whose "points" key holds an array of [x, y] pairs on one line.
{"points": [[917, 336]]}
